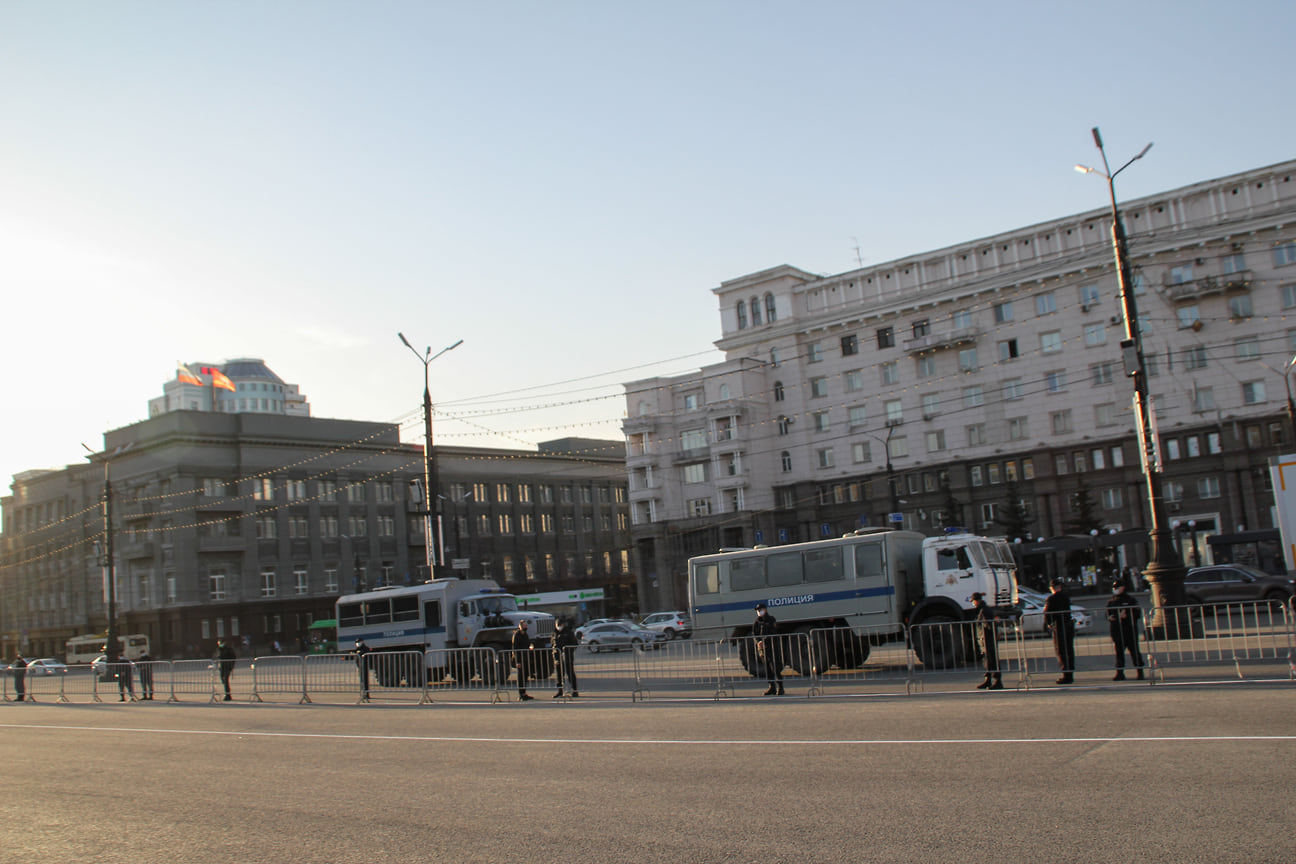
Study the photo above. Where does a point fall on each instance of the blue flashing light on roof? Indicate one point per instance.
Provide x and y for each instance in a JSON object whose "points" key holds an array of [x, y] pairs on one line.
{"points": [[956, 529]]}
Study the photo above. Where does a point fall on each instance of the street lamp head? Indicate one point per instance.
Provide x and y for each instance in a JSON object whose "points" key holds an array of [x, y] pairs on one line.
{"points": [[406, 341], [1085, 169]]}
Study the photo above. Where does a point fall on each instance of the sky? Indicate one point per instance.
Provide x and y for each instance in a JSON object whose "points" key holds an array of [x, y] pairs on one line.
{"points": [[559, 184]]}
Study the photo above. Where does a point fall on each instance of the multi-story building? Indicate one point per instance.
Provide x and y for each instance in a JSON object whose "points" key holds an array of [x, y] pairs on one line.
{"points": [[249, 525], [242, 385], [983, 385]]}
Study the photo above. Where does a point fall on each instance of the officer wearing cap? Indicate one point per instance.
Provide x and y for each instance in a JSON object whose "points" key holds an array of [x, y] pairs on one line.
{"points": [[765, 629], [1123, 614], [225, 655], [522, 642], [1057, 618], [362, 662], [988, 640]]}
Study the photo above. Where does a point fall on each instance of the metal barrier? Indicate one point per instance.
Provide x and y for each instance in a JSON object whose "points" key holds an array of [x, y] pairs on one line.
{"points": [[278, 674], [957, 648], [195, 678], [860, 654], [1256, 637], [769, 659], [464, 670], [535, 666], [692, 664]]}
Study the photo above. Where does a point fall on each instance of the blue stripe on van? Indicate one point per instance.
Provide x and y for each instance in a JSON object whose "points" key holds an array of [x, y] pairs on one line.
{"points": [[775, 603], [415, 633]]}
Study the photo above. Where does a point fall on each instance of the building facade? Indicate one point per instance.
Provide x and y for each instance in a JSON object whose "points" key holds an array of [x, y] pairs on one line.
{"points": [[983, 385], [248, 526], [249, 386]]}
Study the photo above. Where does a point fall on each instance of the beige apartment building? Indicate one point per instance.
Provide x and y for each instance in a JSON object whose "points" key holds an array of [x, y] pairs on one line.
{"points": [[982, 385]]}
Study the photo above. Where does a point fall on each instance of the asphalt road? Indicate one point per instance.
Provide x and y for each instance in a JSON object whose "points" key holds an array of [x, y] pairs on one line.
{"points": [[1165, 774]]}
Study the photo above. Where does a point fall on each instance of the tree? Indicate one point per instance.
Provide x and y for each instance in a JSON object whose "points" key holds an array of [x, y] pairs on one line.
{"points": [[1084, 516], [1014, 516]]}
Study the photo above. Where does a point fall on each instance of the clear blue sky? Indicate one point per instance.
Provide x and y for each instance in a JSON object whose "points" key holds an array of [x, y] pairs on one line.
{"points": [[559, 184]]}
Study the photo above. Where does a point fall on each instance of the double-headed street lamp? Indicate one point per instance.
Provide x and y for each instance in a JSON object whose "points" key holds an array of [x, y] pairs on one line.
{"points": [[1165, 572], [429, 462]]}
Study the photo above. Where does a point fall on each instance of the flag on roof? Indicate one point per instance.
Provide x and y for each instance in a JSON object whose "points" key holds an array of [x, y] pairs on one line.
{"points": [[183, 374], [219, 379]]}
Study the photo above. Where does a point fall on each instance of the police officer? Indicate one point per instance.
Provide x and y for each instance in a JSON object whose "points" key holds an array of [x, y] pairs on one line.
{"points": [[19, 669], [564, 655], [361, 652], [145, 663], [765, 629], [988, 639], [521, 643], [1123, 614], [1057, 618], [225, 660]]}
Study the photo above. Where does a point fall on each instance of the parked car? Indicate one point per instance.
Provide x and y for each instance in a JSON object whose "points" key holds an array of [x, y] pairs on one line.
{"points": [[593, 622], [670, 624], [1236, 583], [615, 635], [45, 666], [1031, 622], [102, 669]]}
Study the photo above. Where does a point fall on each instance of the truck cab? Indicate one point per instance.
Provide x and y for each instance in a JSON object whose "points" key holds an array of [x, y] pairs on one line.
{"points": [[489, 617]]}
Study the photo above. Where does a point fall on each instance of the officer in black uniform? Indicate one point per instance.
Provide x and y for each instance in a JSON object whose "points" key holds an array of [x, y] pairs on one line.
{"points": [[988, 639], [1057, 618], [765, 629], [522, 642], [362, 663], [19, 669], [225, 658], [564, 655], [1123, 615]]}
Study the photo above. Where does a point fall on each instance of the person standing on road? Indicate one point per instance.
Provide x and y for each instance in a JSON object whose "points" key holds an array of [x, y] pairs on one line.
{"points": [[361, 653], [765, 629], [19, 670], [125, 678], [1123, 616], [145, 663], [564, 651], [225, 657], [988, 639], [1057, 618], [521, 643]]}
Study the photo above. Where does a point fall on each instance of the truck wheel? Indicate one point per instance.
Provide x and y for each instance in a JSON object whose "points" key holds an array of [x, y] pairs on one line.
{"points": [[849, 650], [939, 643], [796, 651]]}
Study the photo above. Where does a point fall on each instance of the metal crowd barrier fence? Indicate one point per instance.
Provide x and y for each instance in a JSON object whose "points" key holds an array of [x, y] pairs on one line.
{"points": [[1255, 637], [683, 665], [784, 659], [958, 648], [278, 674], [860, 655]]}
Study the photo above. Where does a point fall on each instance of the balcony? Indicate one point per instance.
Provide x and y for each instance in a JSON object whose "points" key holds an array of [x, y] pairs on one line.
{"points": [[137, 549], [220, 544], [1206, 286], [944, 339], [697, 454]]}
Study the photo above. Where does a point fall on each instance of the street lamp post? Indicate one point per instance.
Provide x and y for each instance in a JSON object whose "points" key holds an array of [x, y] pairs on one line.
{"points": [[890, 471], [109, 569], [1165, 572], [1291, 403], [430, 497]]}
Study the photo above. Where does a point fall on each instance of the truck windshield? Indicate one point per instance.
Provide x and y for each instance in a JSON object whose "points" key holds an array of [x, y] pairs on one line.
{"points": [[496, 605], [991, 554]]}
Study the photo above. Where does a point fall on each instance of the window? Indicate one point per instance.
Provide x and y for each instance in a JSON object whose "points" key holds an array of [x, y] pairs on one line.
{"points": [[1012, 389], [1288, 293], [860, 452], [742, 315], [976, 435], [926, 366], [771, 310], [1098, 459], [1208, 487], [1247, 348], [814, 353], [1102, 374], [1061, 421], [1008, 349], [690, 439], [967, 358], [216, 585], [301, 584], [1172, 449], [1189, 317], [1055, 382], [1061, 465], [1045, 304], [854, 380], [691, 401], [921, 328], [755, 312], [1018, 429], [1095, 334], [1284, 254], [778, 391], [785, 461], [1079, 460], [1253, 392], [857, 416], [824, 457], [931, 405], [1112, 499], [1240, 307], [262, 489], [1105, 414], [1050, 342], [973, 397], [818, 387], [213, 487], [975, 476], [1003, 312], [1194, 357], [384, 492], [1088, 296], [1232, 264], [784, 425], [1181, 274], [820, 419], [936, 441], [1192, 446], [505, 523], [268, 588], [1117, 456], [849, 345], [899, 446], [886, 337], [890, 372], [894, 412], [993, 474]]}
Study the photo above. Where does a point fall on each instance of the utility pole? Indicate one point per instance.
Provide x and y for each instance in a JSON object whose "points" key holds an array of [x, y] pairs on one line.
{"points": [[1165, 572], [109, 569]]}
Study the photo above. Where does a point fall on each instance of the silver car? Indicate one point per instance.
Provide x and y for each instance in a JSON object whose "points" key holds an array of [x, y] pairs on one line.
{"points": [[1031, 622], [615, 635]]}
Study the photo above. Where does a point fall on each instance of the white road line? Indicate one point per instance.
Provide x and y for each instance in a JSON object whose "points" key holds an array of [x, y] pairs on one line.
{"points": [[734, 742]]}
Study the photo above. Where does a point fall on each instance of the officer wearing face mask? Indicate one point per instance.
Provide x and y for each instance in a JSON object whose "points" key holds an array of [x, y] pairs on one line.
{"points": [[765, 629]]}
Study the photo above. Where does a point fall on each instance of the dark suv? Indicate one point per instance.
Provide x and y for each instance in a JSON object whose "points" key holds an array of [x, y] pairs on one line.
{"points": [[1234, 583]]}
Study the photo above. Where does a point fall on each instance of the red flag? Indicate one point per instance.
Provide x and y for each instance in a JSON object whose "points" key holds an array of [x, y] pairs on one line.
{"points": [[183, 374], [219, 379]]}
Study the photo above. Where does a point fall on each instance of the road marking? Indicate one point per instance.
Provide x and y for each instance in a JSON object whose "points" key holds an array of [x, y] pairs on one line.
{"points": [[708, 742]]}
